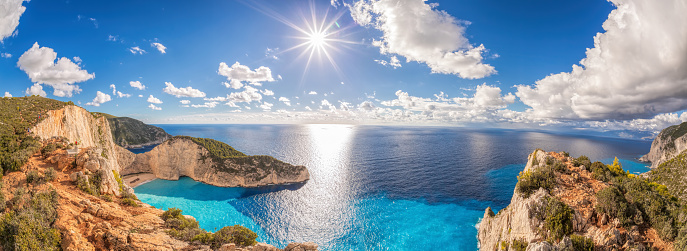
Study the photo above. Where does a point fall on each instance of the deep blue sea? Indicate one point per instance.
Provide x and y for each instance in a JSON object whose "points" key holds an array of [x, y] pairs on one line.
{"points": [[375, 187]]}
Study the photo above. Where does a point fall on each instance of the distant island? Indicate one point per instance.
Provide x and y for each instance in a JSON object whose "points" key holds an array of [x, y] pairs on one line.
{"points": [[62, 187]]}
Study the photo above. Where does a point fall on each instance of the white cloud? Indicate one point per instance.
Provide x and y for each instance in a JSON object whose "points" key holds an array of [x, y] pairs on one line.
{"points": [[308, 108], [10, 12], [182, 92], [266, 106], [152, 106], [206, 105], [312, 93], [242, 73], [140, 96], [8, 95], [324, 104], [112, 38], [185, 102], [249, 95], [233, 84], [39, 63], [154, 100], [5, 55], [136, 50], [159, 47], [267, 92], [415, 30], [137, 85], [99, 99], [114, 89], [285, 100], [36, 89], [637, 68], [393, 62]]}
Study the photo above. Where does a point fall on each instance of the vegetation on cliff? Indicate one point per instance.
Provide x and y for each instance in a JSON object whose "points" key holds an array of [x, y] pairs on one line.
{"points": [[17, 116], [672, 174], [131, 132], [187, 229], [671, 133]]}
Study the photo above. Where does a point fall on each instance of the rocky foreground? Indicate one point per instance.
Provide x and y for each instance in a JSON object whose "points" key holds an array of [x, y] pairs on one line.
{"points": [[562, 203]]}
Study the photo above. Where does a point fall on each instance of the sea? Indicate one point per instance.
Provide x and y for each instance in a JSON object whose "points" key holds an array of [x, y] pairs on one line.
{"points": [[375, 187]]}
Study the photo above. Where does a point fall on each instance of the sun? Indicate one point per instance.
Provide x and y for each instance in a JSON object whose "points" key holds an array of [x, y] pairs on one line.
{"points": [[318, 39]]}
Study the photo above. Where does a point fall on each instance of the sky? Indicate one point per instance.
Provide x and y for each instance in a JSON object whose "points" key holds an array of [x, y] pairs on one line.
{"points": [[617, 67]]}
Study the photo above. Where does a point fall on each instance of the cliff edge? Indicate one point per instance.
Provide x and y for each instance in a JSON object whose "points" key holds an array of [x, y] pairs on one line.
{"points": [[211, 162], [668, 143], [563, 203]]}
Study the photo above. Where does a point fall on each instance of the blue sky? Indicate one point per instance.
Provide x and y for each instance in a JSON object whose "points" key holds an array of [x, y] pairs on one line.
{"points": [[465, 63]]}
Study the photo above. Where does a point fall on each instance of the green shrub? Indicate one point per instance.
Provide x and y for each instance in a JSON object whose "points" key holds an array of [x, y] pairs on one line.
{"points": [[119, 180], [30, 227], [49, 174], [531, 180], [582, 161], [519, 245], [612, 202], [236, 234], [32, 177], [130, 202], [48, 149], [106, 197], [128, 195], [558, 219], [550, 160], [581, 243]]}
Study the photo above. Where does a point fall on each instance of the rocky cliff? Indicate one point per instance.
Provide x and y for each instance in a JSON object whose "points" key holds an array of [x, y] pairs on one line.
{"points": [[81, 128], [561, 203], [669, 143], [132, 133], [182, 156]]}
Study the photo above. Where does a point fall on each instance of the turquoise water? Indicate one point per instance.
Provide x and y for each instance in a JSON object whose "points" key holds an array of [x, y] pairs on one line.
{"points": [[374, 188]]}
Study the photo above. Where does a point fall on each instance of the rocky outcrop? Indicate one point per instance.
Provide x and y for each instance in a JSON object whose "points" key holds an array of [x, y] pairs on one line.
{"points": [[132, 133], [669, 143], [84, 130], [524, 220], [180, 156]]}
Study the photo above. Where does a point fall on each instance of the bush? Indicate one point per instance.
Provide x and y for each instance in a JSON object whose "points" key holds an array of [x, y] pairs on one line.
{"points": [[84, 185], [106, 197], [519, 245], [50, 174], [30, 227], [32, 177], [48, 149], [129, 202], [612, 202], [558, 219], [531, 180], [119, 180], [581, 243], [582, 161], [236, 234]]}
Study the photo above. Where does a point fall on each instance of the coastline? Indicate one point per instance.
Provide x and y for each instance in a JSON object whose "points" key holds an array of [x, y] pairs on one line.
{"points": [[134, 180]]}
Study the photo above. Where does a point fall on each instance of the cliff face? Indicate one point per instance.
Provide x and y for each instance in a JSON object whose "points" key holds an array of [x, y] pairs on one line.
{"points": [[532, 221], [79, 126], [132, 133], [669, 143], [178, 157]]}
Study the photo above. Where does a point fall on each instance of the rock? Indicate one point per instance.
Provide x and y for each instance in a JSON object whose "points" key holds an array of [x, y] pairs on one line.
{"points": [[180, 156], [667, 144], [228, 247], [305, 246], [604, 219], [264, 247], [92, 159], [75, 176], [616, 223], [539, 246]]}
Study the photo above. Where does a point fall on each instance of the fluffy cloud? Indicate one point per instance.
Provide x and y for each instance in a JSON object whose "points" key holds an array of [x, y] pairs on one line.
{"points": [[185, 102], [136, 50], [206, 105], [267, 92], [637, 68], [8, 95], [182, 92], [154, 100], [137, 85], [10, 12], [312, 93], [159, 47], [36, 89], [233, 84], [250, 94], [99, 99], [285, 100], [153, 107], [118, 93], [5, 55], [415, 30], [242, 73], [393, 62], [39, 64], [266, 106]]}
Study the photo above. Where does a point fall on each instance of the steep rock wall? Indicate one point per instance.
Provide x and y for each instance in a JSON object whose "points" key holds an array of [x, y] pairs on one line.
{"points": [[667, 144], [182, 157], [78, 125]]}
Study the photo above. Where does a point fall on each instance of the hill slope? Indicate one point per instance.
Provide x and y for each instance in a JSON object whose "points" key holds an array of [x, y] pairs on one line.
{"points": [[132, 133]]}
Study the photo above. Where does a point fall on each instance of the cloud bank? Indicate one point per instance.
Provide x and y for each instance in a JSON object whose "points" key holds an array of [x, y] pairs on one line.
{"points": [[39, 64]]}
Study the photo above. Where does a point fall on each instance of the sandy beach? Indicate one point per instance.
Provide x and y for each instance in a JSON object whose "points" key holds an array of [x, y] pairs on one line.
{"points": [[134, 180]]}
